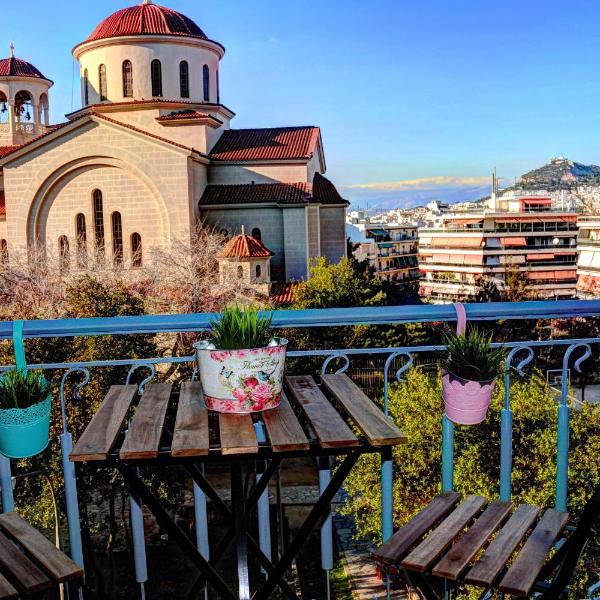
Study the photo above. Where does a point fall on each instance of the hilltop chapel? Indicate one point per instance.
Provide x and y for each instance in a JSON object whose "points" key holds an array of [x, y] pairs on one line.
{"points": [[151, 152]]}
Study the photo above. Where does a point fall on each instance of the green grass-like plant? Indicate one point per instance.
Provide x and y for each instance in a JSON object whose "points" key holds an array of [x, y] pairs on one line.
{"points": [[20, 389], [471, 356], [241, 328]]}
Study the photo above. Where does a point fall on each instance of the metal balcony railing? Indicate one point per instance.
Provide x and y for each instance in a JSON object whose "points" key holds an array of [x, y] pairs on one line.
{"points": [[521, 353]]}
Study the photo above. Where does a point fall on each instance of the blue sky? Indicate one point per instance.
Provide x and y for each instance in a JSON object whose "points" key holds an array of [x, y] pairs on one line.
{"points": [[403, 90]]}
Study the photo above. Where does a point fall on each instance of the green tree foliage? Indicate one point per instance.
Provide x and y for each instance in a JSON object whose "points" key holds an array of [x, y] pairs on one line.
{"points": [[417, 407]]}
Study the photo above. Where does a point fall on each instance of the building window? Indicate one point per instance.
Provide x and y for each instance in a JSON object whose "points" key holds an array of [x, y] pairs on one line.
{"points": [[117, 238], [127, 79], [218, 88], [86, 87], [184, 79], [136, 250], [64, 256], [156, 76], [240, 272], [258, 272], [256, 234], [98, 210], [3, 253], [206, 82], [81, 240], [102, 88]]}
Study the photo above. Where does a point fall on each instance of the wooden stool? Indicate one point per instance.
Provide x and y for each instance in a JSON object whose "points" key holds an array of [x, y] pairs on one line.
{"points": [[29, 563], [488, 545]]}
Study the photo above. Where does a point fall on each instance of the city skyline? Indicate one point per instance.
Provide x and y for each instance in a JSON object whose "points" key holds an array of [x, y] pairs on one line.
{"points": [[443, 95]]}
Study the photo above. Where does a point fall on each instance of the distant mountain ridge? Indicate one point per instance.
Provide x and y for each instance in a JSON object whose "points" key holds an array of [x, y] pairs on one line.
{"points": [[559, 174]]}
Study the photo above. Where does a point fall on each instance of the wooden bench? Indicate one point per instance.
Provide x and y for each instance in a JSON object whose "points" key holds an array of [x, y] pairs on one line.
{"points": [[490, 545], [29, 563]]}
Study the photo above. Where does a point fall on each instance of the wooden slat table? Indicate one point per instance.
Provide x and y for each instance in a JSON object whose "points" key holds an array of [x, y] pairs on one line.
{"points": [[488, 546], [29, 563], [166, 429]]}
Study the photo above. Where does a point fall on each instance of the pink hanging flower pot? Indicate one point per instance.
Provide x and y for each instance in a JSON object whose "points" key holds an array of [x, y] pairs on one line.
{"points": [[466, 402]]}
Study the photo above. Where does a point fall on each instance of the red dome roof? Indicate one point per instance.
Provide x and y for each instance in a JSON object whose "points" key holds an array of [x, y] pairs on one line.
{"points": [[146, 19], [15, 67]]}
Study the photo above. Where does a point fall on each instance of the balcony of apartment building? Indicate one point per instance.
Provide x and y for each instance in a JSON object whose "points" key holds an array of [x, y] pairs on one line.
{"points": [[160, 408]]}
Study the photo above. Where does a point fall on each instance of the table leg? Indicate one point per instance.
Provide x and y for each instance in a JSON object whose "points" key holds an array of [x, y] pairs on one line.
{"points": [[319, 510], [238, 507], [138, 487]]}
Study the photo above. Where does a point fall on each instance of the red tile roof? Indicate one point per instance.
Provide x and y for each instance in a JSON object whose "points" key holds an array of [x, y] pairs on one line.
{"points": [[279, 143], [245, 246], [5, 150], [322, 191], [146, 19], [284, 294], [262, 193], [15, 67], [184, 114], [2, 203]]}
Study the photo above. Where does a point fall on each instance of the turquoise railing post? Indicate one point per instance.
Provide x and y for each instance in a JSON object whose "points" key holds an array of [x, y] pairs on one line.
{"points": [[8, 502], [562, 442], [387, 465], [447, 454], [327, 526], [264, 517], [135, 505], [70, 478], [506, 423]]}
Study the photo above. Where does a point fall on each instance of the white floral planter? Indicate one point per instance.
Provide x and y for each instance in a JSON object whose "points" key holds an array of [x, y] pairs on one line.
{"points": [[241, 381]]}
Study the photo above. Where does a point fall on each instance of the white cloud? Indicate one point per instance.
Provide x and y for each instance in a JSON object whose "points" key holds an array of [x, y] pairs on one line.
{"points": [[423, 183]]}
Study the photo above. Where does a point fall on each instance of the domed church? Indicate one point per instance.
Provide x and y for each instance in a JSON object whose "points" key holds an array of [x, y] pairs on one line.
{"points": [[152, 152]]}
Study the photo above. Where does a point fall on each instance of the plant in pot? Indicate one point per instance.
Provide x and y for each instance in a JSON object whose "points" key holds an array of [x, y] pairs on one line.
{"points": [[25, 403], [470, 369], [241, 365]]}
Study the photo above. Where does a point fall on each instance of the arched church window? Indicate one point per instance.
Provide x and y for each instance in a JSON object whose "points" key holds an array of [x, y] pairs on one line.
{"points": [[117, 237], [136, 250], [257, 234], [23, 107], [98, 211], [86, 87], [3, 254], [3, 108], [127, 79], [184, 79], [64, 256], [156, 77], [81, 240], [102, 86], [206, 82], [258, 271], [240, 272]]}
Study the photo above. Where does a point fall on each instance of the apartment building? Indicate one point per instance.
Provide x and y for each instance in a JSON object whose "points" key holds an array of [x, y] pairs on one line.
{"points": [[390, 248], [588, 266], [527, 236]]}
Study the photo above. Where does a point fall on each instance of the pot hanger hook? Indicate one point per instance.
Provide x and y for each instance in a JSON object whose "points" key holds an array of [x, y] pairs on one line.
{"points": [[461, 318]]}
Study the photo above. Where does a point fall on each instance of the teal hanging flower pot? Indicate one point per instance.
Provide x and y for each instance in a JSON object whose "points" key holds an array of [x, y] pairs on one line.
{"points": [[25, 405], [24, 432]]}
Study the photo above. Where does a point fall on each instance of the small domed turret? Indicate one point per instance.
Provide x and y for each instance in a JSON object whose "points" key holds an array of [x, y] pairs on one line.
{"points": [[24, 103]]}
